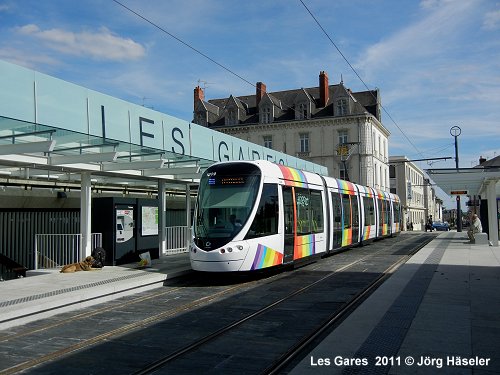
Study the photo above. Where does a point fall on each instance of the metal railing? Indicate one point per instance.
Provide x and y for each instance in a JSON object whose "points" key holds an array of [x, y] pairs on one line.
{"points": [[55, 250], [177, 239]]}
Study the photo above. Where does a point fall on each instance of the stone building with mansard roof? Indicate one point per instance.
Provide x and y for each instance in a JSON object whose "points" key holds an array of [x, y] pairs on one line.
{"points": [[329, 125]]}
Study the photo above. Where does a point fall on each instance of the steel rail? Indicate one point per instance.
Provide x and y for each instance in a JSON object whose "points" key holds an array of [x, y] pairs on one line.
{"points": [[339, 316], [153, 366]]}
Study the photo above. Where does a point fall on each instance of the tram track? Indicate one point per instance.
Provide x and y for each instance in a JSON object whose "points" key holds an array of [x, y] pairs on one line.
{"points": [[110, 334], [333, 321], [183, 308], [290, 355]]}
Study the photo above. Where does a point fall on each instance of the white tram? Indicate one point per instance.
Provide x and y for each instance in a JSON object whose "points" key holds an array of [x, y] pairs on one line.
{"points": [[252, 215]]}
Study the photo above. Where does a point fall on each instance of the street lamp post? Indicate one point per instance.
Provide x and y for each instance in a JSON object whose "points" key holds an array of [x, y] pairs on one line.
{"points": [[455, 131]]}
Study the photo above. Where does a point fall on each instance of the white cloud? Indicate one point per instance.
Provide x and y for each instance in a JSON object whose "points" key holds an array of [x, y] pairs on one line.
{"points": [[101, 45], [25, 58], [428, 4], [492, 20], [429, 38]]}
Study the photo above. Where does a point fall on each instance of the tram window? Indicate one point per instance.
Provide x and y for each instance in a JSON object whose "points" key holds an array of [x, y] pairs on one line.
{"points": [[381, 209], [355, 211], [288, 210], [387, 211], [369, 209], [337, 220], [265, 222], [337, 210], [397, 212], [303, 202], [346, 205], [316, 207]]}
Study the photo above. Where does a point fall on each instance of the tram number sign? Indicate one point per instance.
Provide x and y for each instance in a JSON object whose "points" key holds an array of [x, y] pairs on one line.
{"points": [[459, 192]]}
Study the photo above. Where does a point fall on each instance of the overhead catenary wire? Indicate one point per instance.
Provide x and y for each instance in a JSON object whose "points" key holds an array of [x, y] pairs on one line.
{"points": [[359, 77], [183, 42], [254, 85], [205, 55], [196, 50]]}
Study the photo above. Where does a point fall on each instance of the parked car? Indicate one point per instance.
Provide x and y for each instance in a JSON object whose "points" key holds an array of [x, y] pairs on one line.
{"points": [[440, 225]]}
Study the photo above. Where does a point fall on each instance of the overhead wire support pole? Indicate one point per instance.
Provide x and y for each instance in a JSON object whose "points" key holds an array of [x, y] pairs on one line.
{"points": [[455, 131]]}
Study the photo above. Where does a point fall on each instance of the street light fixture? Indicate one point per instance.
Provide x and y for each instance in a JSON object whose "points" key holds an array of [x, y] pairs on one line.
{"points": [[455, 131]]}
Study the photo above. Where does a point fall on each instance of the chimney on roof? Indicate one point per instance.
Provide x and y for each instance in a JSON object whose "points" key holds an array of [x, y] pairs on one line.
{"points": [[481, 160], [260, 90], [198, 94], [323, 89]]}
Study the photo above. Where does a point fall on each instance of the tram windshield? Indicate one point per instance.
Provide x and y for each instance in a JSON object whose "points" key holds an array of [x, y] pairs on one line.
{"points": [[226, 196]]}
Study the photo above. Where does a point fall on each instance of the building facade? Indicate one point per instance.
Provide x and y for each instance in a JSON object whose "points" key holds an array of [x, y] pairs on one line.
{"points": [[329, 125], [418, 197]]}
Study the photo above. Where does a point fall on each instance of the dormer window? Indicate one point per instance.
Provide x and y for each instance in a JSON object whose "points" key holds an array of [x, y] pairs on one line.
{"points": [[302, 112], [231, 117], [201, 119], [266, 115], [342, 107]]}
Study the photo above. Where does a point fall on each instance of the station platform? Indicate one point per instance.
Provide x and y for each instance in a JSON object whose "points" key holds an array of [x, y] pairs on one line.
{"points": [[46, 292], [438, 313]]}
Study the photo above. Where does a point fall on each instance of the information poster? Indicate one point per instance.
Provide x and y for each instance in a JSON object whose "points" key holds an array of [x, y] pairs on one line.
{"points": [[149, 221]]}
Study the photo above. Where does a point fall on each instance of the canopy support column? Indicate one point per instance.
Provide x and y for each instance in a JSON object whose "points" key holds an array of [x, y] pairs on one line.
{"points": [[491, 196], [85, 214], [162, 217], [188, 216]]}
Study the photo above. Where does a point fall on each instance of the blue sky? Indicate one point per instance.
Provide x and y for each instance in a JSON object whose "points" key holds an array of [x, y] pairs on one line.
{"points": [[436, 62]]}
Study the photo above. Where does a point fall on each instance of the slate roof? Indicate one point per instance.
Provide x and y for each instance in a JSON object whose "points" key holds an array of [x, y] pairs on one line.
{"points": [[491, 163], [284, 101]]}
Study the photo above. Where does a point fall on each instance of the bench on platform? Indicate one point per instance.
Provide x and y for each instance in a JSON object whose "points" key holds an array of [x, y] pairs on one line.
{"points": [[481, 239]]}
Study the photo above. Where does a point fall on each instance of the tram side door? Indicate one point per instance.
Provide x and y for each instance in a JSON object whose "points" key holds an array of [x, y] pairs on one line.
{"points": [[337, 220], [289, 216]]}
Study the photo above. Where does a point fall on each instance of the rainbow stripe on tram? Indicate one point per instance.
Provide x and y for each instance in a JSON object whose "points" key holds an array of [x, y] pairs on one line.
{"points": [[266, 257], [369, 194], [293, 177], [347, 237], [304, 246], [366, 234], [346, 186]]}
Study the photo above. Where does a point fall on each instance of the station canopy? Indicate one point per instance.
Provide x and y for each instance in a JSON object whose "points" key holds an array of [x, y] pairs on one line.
{"points": [[52, 156], [52, 131], [465, 181]]}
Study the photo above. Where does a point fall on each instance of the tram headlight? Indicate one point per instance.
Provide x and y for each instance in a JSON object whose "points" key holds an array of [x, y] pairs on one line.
{"points": [[231, 249]]}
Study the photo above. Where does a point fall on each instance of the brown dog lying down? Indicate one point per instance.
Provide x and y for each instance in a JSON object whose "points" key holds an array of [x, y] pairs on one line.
{"points": [[86, 265]]}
